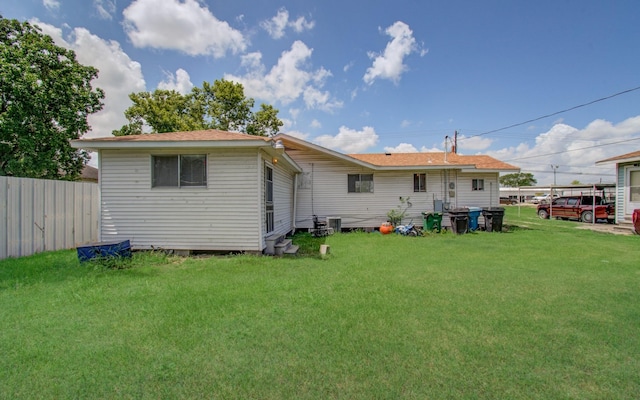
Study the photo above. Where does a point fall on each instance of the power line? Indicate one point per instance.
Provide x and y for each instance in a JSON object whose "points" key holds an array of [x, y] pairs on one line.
{"points": [[555, 113], [572, 173], [567, 151]]}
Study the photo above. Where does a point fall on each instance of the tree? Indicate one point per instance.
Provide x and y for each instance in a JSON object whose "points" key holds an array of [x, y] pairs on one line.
{"points": [[517, 180], [576, 182], [221, 105], [45, 99]]}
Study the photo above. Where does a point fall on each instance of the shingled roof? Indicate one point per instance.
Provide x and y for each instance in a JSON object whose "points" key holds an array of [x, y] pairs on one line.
{"points": [[202, 135], [628, 156], [433, 159]]}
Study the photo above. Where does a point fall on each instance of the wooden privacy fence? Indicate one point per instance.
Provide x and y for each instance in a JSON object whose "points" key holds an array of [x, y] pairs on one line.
{"points": [[40, 215]]}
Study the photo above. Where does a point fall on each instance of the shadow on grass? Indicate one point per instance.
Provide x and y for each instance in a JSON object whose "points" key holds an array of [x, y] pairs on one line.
{"points": [[61, 266]]}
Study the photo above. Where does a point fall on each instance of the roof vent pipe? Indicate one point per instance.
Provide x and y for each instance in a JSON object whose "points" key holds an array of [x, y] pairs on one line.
{"points": [[446, 147]]}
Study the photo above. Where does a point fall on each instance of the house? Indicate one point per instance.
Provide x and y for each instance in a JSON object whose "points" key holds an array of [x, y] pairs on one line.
{"points": [[202, 190], [361, 189], [89, 174], [627, 184], [214, 190]]}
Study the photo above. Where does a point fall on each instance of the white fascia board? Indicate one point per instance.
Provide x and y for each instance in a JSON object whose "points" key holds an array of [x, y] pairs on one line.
{"points": [[324, 150], [490, 170], [620, 161], [282, 155]]}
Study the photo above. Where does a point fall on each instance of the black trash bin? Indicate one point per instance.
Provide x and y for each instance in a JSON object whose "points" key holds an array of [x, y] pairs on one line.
{"points": [[493, 219], [459, 220]]}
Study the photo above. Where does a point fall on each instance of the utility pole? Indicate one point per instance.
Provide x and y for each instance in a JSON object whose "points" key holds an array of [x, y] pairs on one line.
{"points": [[455, 142], [554, 167]]}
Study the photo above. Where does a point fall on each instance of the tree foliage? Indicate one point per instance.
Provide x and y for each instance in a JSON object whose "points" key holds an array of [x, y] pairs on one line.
{"points": [[45, 99], [221, 105], [517, 180]]}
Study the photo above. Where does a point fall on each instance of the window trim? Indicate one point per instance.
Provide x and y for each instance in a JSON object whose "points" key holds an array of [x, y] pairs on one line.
{"points": [[179, 179], [269, 209], [358, 183], [419, 175], [477, 184]]}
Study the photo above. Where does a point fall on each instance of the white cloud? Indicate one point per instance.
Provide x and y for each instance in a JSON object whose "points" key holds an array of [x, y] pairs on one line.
{"points": [[183, 25], [476, 143], [575, 151], [349, 140], [51, 5], [315, 124], [105, 8], [409, 148], [405, 123], [298, 134], [301, 24], [390, 64], [401, 148], [347, 67], [277, 25], [180, 82], [288, 80], [294, 112], [425, 149], [118, 74]]}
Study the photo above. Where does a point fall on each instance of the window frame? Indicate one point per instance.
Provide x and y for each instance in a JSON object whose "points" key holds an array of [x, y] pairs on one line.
{"points": [[180, 177], [269, 213], [420, 178], [358, 183], [477, 184]]}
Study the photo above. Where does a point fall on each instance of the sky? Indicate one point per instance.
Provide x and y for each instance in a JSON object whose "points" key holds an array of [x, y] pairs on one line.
{"points": [[550, 86]]}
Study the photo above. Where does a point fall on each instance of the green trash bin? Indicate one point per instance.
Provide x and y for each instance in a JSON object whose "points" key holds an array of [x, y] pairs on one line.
{"points": [[432, 221]]}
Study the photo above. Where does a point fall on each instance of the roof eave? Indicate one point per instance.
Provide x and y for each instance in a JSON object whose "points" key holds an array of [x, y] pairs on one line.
{"points": [[498, 170], [618, 161], [324, 150]]}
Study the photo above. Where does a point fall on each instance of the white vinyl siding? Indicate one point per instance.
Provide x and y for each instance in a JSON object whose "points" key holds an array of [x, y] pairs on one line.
{"points": [[322, 192], [224, 216], [467, 197]]}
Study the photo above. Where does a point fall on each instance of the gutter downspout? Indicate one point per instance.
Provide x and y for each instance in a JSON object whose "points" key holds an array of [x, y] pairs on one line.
{"points": [[295, 202]]}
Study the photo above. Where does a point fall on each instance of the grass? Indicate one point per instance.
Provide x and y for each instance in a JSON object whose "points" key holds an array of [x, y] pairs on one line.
{"points": [[544, 311]]}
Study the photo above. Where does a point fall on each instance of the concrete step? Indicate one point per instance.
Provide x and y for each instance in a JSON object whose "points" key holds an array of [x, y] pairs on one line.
{"points": [[292, 250], [282, 246], [623, 227]]}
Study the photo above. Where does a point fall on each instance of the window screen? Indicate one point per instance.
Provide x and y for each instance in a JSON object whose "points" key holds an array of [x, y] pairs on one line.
{"points": [[360, 183], [179, 171]]}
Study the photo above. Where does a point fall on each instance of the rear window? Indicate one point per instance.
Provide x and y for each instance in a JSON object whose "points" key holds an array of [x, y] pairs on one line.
{"points": [[560, 202]]}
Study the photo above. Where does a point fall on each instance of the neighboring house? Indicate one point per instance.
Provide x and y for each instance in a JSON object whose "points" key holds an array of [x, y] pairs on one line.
{"points": [[362, 188], [89, 174], [627, 184], [202, 190], [214, 190]]}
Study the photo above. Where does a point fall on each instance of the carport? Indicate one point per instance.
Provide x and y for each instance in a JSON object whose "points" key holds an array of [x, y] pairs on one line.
{"points": [[607, 190]]}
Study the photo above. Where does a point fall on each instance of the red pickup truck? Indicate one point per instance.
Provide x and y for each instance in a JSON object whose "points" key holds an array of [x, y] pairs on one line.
{"points": [[581, 208]]}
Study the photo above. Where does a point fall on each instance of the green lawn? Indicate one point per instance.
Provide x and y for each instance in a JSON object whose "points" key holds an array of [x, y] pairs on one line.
{"points": [[544, 311]]}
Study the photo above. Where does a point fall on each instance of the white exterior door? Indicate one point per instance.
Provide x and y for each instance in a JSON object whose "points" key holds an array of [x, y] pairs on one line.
{"points": [[632, 190]]}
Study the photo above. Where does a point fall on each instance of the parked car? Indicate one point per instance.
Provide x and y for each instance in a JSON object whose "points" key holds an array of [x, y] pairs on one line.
{"points": [[580, 208], [508, 200], [543, 199]]}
